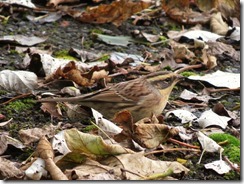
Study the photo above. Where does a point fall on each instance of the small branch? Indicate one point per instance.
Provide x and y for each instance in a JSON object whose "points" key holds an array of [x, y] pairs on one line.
{"points": [[183, 143], [15, 98], [221, 90], [237, 169], [189, 68]]}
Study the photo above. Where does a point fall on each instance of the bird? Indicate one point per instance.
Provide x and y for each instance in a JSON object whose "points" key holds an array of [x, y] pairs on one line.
{"points": [[142, 97]]}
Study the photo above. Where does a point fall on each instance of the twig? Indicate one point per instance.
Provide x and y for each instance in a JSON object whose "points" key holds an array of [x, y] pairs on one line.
{"points": [[15, 98], [189, 68], [231, 164], [183, 143], [221, 90]]}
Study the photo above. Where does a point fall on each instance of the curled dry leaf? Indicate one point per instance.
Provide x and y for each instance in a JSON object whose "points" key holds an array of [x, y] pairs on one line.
{"points": [[6, 140]]}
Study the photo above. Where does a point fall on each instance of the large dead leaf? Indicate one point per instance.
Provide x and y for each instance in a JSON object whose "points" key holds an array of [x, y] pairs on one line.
{"points": [[18, 81], [136, 165], [116, 12], [91, 145], [92, 170]]}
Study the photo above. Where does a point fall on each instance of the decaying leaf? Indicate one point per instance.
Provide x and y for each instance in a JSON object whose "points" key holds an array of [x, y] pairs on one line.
{"points": [[91, 145], [141, 166], [148, 132], [18, 81]]}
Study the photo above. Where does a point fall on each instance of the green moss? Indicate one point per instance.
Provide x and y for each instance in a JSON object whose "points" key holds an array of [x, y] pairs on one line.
{"points": [[188, 73], [104, 57], [98, 31], [231, 147], [64, 54], [164, 40], [87, 44], [19, 105], [232, 175], [88, 128]]}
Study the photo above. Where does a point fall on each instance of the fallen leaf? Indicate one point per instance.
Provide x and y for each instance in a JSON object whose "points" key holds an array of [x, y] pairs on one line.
{"points": [[37, 170], [25, 3], [18, 81], [139, 166], [220, 166], [6, 140], [220, 79], [116, 12], [217, 25], [208, 145], [9, 170], [22, 40], [209, 118], [184, 115]]}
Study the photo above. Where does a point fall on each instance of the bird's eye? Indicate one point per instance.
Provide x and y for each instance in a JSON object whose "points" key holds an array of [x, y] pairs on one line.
{"points": [[167, 80]]}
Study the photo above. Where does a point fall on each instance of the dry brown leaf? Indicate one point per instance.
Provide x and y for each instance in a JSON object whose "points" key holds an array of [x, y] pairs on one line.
{"points": [[32, 135], [116, 12], [150, 133], [52, 108], [181, 12]]}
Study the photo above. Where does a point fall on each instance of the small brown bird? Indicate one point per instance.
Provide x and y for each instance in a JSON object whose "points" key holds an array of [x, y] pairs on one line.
{"points": [[143, 96]]}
